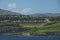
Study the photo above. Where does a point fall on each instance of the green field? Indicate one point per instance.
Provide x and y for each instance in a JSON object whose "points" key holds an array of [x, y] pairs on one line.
{"points": [[42, 28]]}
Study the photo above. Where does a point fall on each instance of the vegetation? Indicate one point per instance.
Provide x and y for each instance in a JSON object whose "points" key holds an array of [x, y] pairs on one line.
{"points": [[30, 24]]}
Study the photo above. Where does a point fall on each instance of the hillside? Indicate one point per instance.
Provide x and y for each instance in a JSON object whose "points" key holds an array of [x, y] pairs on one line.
{"points": [[46, 14], [34, 26], [6, 12]]}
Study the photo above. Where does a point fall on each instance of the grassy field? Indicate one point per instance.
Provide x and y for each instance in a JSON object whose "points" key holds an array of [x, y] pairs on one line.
{"points": [[32, 25], [42, 28]]}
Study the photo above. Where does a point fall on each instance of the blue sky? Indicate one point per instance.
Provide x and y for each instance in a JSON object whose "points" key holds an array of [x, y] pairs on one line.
{"points": [[31, 6]]}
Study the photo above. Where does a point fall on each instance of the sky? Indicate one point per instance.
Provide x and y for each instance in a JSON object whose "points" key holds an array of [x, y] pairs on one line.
{"points": [[31, 6]]}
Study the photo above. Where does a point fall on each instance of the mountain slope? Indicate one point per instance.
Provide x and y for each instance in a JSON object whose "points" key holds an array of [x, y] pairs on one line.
{"points": [[6, 12], [46, 14]]}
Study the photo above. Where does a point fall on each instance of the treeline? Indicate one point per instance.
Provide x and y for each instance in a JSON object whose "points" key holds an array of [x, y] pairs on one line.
{"points": [[27, 17], [54, 18]]}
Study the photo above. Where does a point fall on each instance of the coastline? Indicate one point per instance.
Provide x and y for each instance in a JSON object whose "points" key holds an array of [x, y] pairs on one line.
{"points": [[27, 34]]}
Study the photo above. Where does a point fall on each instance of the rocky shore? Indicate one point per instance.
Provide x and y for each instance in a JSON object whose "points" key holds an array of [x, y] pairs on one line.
{"points": [[28, 34]]}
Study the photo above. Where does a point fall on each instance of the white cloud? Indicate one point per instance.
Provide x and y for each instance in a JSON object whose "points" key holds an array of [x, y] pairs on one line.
{"points": [[14, 5], [26, 10], [11, 5]]}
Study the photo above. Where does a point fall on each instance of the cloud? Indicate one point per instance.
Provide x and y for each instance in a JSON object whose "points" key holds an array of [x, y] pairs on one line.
{"points": [[26, 10], [11, 5]]}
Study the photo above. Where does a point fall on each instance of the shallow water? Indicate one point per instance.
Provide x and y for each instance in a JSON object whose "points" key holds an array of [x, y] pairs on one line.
{"points": [[29, 37]]}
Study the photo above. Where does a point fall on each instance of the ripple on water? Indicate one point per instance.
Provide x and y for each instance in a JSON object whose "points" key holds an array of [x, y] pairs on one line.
{"points": [[29, 37]]}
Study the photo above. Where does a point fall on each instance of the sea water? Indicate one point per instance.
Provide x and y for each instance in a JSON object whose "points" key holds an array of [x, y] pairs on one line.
{"points": [[29, 37]]}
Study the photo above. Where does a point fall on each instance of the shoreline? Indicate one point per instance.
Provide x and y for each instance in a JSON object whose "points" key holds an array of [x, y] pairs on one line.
{"points": [[27, 34]]}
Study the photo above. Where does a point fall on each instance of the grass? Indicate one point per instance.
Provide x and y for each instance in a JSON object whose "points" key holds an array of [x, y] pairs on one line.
{"points": [[36, 28], [32, 25], [41, 28]]}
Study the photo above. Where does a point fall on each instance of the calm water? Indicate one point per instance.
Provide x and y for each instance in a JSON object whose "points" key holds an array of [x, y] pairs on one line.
{"points": [[29, 38]]}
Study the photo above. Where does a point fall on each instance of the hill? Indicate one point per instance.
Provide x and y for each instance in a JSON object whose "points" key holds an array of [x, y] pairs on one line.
{"points": [[6, 12], [46, 14]]}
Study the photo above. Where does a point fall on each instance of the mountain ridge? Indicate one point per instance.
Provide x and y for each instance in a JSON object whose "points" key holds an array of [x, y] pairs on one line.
{"points": [[6, 12], [46, 14]]}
